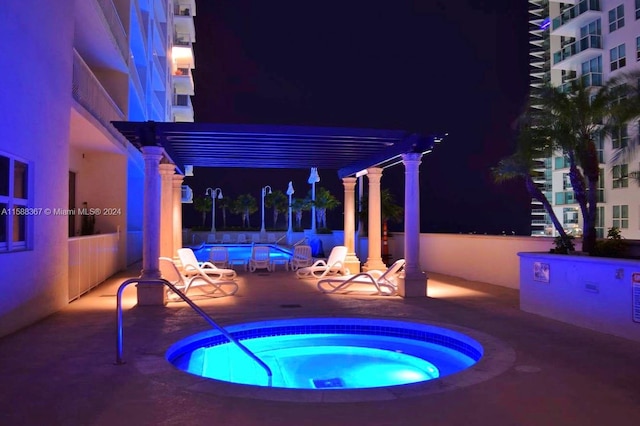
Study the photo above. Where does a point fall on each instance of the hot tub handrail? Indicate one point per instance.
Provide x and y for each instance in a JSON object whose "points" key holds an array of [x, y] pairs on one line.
{"points": [[160, 281]]}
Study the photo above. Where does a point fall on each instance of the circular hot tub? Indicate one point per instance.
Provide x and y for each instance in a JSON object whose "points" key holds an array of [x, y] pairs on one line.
{"points": [[328, 353]]}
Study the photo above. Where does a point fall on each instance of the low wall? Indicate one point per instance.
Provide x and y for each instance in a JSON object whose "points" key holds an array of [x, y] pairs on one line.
{"points": [[92, 259], [597, 293], [486, 258]]}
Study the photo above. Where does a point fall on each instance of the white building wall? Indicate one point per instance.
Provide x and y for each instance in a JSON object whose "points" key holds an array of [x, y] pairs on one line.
{"points": [[34, 125]]}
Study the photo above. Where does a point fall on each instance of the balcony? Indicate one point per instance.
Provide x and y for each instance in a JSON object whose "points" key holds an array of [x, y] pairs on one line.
{"points": [[183, 13], [570, 21], [182, 109], [183, 81], [573, 54], [182, 52]]}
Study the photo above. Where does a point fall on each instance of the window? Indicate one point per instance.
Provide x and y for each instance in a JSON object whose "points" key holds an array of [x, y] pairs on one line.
{"points": [[618, 57], [616, 18], [566, 181], [600, 222], [621, 217], [621, 176], [14, 200], [599, 141], [601, 186], [620, 138], [591, 72], [637, 9], [561, 162], [637, 48]]}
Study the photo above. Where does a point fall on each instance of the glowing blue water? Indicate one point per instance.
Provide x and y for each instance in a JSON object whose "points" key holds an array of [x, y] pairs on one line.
{"points": [[329, 360], [241, 252]]}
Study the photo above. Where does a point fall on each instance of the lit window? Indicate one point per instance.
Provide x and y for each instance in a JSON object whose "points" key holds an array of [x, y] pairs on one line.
{"points": [[618, 57], [14, 200], [621, 216], [620, 176], [616, 18]]}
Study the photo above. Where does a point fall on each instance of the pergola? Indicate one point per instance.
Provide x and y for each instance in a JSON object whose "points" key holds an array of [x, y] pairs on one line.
{"points": [[168, 147]]}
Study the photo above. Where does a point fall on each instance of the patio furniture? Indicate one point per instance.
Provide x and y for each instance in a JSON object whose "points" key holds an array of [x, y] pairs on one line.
{"points": [[334, 265], [301, 257], [171, 273], [219, 256], [384, 283], [192, 267], [260, 258]]}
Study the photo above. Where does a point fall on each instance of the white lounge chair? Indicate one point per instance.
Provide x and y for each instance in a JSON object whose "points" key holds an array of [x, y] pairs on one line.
{"points": [[271, 238], [384, 283], [192, 267], [242, 238], [255, 238], [219, 256], [226, 239], [171, 273], [260, 258], [334, 265], [211, 238], [301, 257]]}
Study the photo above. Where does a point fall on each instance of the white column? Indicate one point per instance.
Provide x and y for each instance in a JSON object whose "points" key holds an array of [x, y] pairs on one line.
{"points": [[177, 213], [151, 294], [352, 262], [166, 210], [374, 261], [414, 283]]}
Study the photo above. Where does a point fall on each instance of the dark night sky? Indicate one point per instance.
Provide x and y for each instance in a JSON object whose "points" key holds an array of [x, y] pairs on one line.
{"points": [[459, 66]]}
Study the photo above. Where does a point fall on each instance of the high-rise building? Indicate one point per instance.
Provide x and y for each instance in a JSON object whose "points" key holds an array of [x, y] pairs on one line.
{"points": [[590, 40], [70, 183]]}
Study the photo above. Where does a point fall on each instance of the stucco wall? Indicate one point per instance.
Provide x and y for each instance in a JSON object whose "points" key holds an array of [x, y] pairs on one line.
{"points": [[36, 39]]}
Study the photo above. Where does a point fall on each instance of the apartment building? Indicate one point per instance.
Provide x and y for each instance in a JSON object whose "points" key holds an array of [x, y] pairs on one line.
{"points": [[591, 40], [70, 183]]}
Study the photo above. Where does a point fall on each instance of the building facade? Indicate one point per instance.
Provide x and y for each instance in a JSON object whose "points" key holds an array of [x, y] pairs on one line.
{"points": [[590, 40], [70, 183]]}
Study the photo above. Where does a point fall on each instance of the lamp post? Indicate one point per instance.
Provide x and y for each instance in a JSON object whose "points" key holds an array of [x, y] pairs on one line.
{"points": [[265, 190], [214, 193], [290, 192], [314, 178]]}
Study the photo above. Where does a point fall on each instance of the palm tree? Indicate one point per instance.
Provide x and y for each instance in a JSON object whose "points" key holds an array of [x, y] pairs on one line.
{"points": [[203, 205], [279, 202], [224, 204], [324, 201], [533, 144], [298, 205], [245, 205], [573, 120]]}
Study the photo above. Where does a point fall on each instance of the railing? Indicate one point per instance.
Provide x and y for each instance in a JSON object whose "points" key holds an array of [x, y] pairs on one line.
{"points": [[225, 333], [87, 90], [587, 42], [115, 24], [575, 11]]}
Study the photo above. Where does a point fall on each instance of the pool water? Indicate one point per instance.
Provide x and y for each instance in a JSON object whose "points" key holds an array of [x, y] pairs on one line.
{"points": [[332, 353], [242, 251]]}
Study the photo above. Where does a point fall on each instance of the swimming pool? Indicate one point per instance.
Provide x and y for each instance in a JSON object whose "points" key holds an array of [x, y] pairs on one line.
{"points": [[328, 353], [242, 251]]}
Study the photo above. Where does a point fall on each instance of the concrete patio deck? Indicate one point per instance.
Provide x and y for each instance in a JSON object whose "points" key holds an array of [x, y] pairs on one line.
{"points": [[61, 370]]}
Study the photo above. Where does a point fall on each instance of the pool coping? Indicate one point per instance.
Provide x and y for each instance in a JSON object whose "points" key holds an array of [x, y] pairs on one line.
{"points": [[498, 357]]}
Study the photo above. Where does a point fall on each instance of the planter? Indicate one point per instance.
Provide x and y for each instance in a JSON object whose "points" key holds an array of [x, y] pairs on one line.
{"points": [[601, 294]]}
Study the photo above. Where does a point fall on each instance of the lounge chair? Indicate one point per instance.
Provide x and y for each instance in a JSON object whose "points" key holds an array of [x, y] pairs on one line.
{"points": [[255, 238], [171, 273], [334, 265], [301, 257], [211, 239], [260, 258], [242, 239], [226, 239], [271, 239], [384, 283], [219, 256], [192, 267]]}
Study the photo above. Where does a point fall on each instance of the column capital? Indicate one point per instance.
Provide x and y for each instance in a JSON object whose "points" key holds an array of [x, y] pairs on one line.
{"points": [[177, 180], [374, 173], [349, 183], [167, 169], [152, 151]]}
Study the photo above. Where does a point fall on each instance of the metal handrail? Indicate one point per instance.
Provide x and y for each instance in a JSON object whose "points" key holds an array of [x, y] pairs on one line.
{"points": [[195, 307]]}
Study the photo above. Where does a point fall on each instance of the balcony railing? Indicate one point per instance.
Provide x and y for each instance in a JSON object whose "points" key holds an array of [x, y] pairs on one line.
{"points": [[88, 92], [115, 24], [591, 41], [575, 11]]}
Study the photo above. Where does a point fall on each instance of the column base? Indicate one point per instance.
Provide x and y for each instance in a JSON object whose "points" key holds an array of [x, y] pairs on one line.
{"points": [[352, 263], [374, 264], [151, 294], [413, 285]]}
